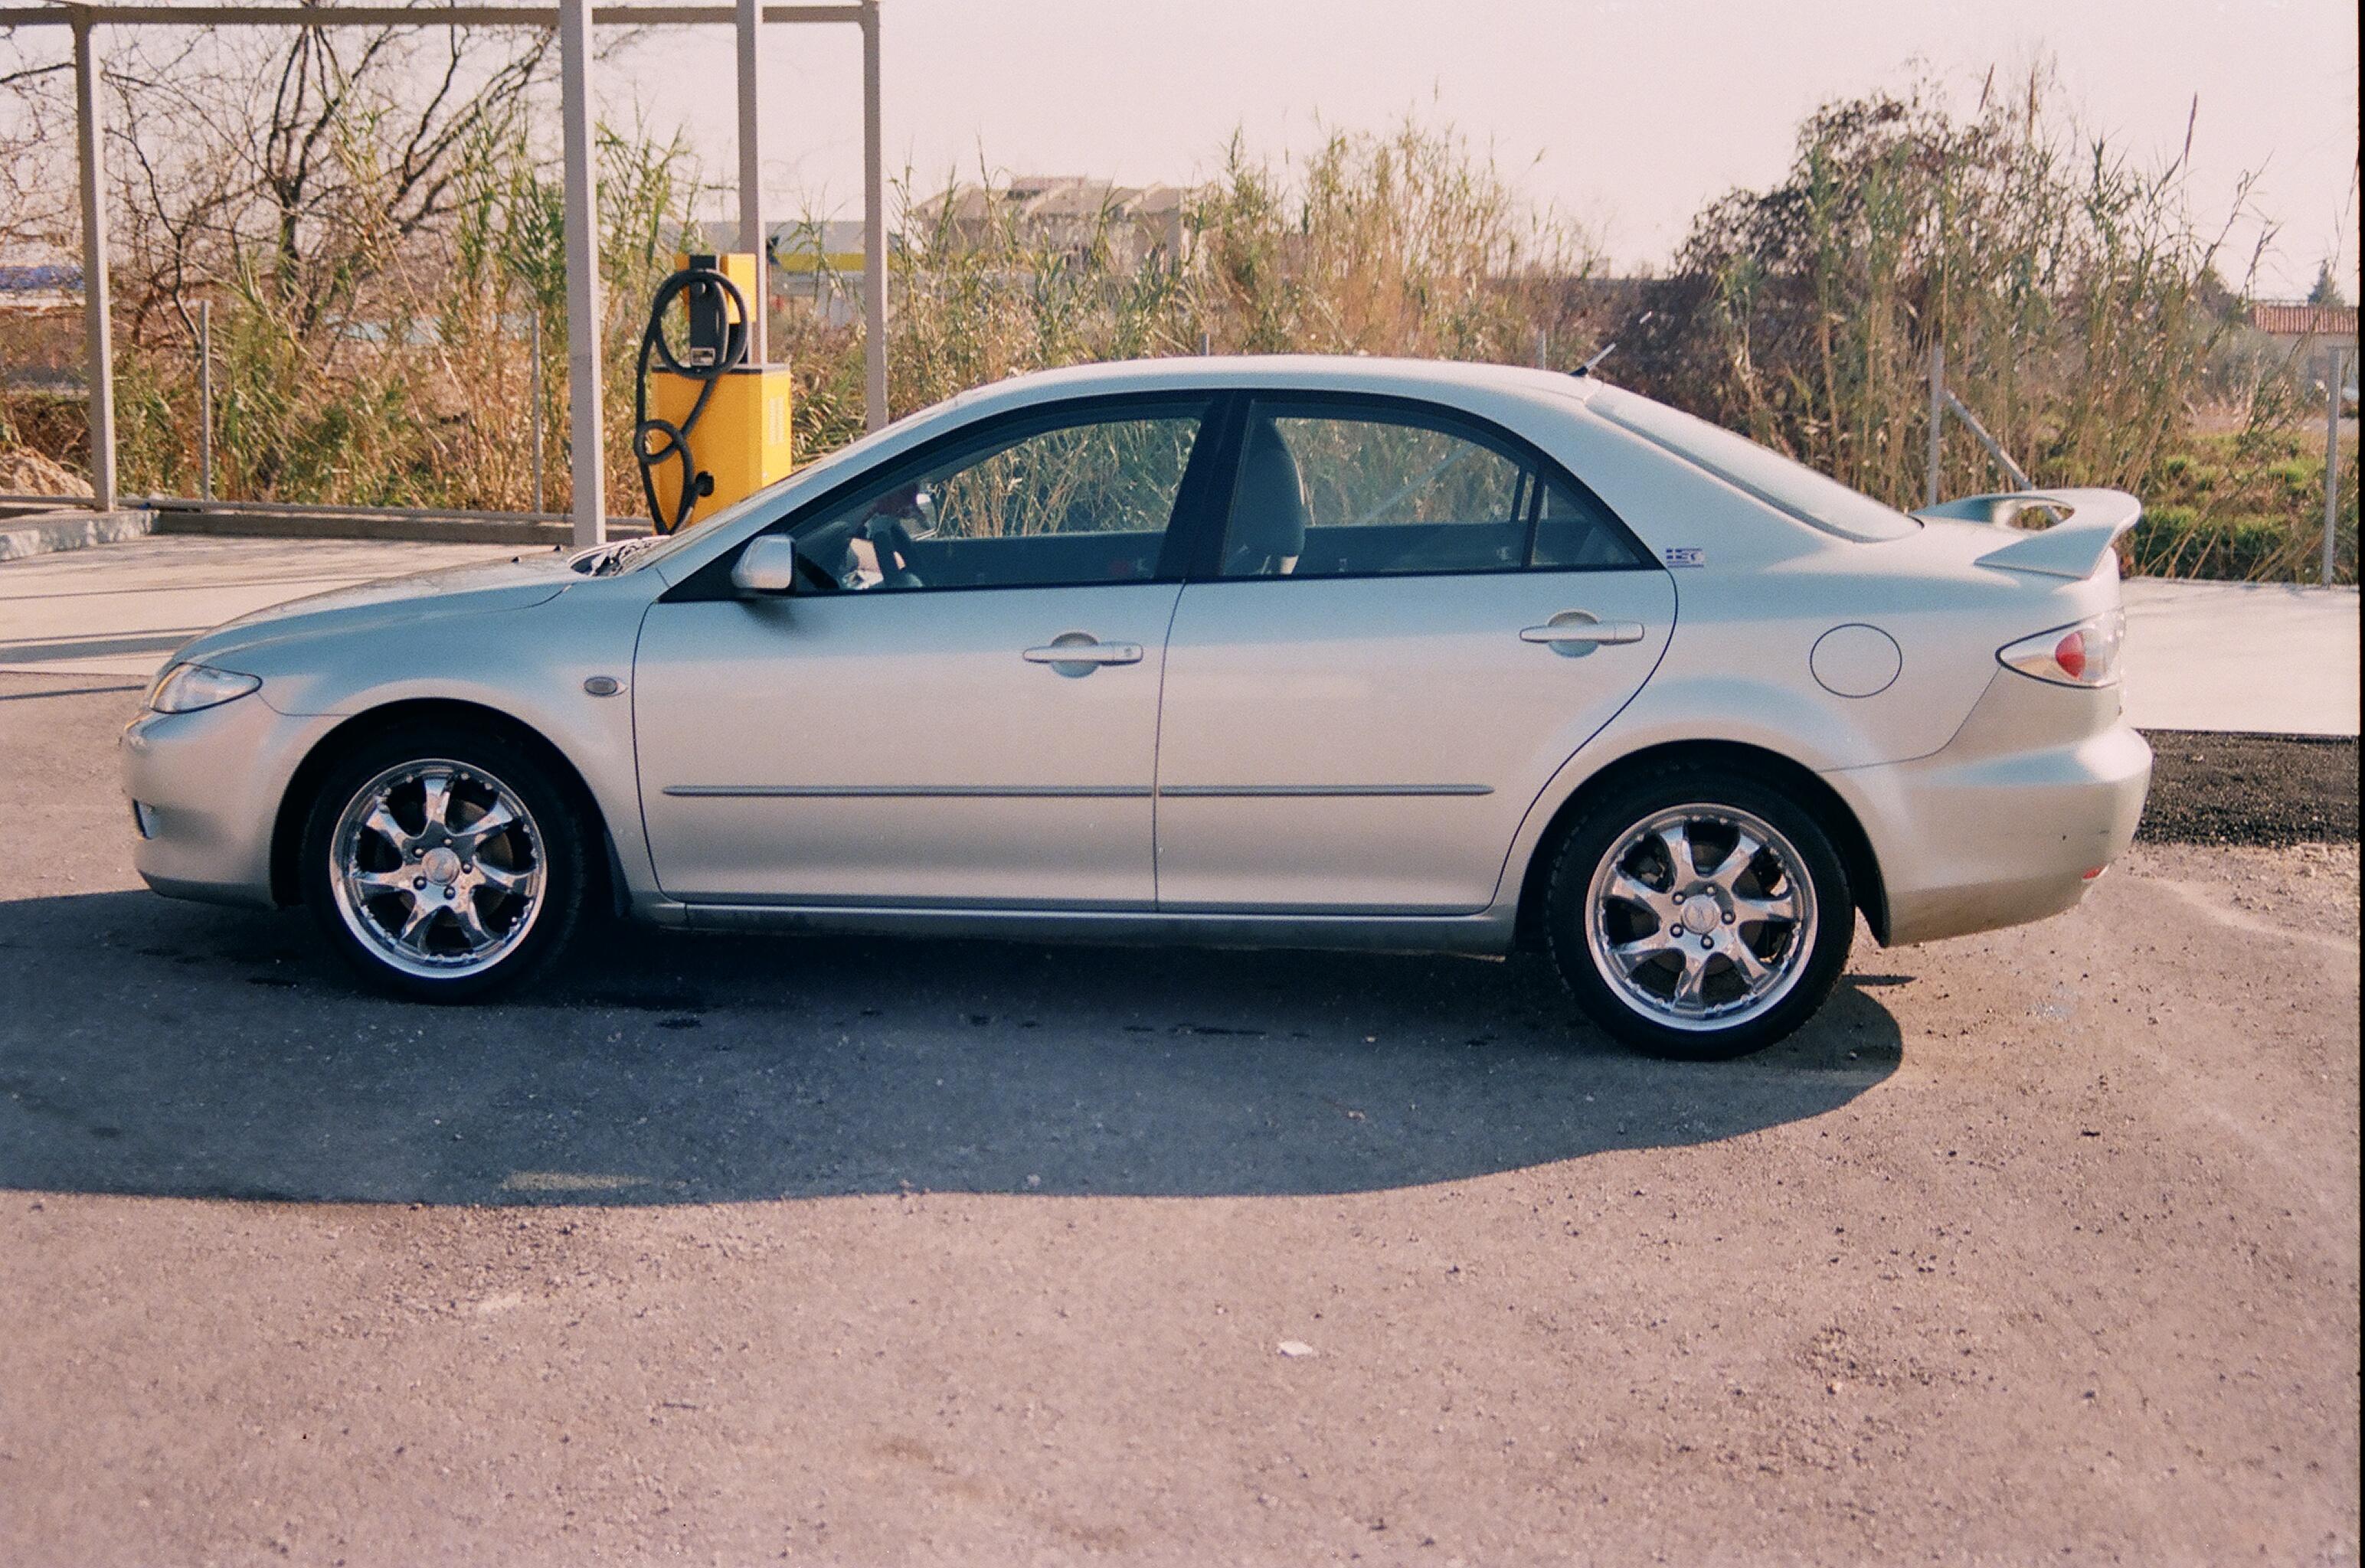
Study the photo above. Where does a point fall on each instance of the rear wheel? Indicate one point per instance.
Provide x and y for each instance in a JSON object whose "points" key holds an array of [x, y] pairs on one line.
{"points": [[443, 864], [1699, 913]]}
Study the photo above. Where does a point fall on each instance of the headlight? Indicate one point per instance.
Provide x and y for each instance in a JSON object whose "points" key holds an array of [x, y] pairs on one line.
{"points": [[184, 688], [2084, 654]]}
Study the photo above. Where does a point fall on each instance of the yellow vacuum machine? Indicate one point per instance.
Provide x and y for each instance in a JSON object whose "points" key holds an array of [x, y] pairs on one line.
{"points": [[709, 428]]}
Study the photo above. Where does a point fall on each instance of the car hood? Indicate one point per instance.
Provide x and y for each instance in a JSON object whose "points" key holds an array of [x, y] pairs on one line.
{"points": [[453, 591]]}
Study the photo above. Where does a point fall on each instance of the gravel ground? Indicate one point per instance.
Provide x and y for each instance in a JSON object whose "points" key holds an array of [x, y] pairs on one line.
{"points": [[2212, 787], [2041, 1246]]}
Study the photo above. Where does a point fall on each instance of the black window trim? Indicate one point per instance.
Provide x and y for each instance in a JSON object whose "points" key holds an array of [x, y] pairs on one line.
{"points": [[1208, 559], [1185, 525], [1192, 551]]}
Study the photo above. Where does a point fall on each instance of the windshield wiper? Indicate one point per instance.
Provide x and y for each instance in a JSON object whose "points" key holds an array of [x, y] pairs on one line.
{"points": [[606, 560]]}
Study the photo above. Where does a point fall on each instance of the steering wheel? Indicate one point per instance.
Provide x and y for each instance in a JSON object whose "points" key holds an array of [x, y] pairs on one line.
{"points": [[885, 535]]}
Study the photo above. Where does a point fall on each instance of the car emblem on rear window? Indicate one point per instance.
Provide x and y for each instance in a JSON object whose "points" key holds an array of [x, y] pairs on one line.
{"points": [[1684, 555]]}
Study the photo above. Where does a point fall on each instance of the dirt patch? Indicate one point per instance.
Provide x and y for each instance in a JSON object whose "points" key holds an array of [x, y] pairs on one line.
{"points": [[2209, 787], [26, 472]]}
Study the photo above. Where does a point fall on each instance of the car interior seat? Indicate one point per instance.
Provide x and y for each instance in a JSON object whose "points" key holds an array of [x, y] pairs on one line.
{"points": [[1268, 531]]}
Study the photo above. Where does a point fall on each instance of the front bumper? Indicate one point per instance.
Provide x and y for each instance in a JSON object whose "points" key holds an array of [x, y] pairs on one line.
{"points": [[211, 783], [2042, 787]]}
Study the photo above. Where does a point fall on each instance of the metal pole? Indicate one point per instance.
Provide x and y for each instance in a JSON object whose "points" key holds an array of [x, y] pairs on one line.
{"points": [[536, 354], [583, 420], [2013, 471], [1937, 412], [874, 230], [205, 399], [1543, 348], [752, 233], [97, 334], [2332, 462]]}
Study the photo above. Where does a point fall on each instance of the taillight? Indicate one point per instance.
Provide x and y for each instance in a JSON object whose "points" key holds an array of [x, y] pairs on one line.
{"points": [[2083, 654]]}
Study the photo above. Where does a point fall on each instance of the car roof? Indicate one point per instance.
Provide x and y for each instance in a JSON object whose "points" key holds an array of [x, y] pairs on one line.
{"points": [[1305, 373]]}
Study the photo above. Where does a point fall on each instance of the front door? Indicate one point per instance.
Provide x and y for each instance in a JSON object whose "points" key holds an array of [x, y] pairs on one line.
{"points": [[961, 711], [1417, 622]]}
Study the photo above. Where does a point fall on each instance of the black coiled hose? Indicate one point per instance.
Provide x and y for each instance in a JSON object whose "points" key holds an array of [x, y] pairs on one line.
{"points": [[693, 280]]}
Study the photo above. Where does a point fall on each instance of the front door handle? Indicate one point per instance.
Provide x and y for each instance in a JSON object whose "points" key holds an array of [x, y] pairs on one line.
{"points": [[1573, 633], [1080, 653]]}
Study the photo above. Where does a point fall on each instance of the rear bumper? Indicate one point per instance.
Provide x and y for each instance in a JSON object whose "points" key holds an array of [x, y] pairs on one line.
{"points": [[2042, 786], [211, 782]]}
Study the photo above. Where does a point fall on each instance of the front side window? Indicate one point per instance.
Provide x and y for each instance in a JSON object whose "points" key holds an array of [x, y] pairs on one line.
{"points": [[1087, 501], [1333, 493]]}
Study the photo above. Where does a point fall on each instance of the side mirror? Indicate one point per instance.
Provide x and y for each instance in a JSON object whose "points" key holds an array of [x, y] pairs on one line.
{"points": [[767, 565]]}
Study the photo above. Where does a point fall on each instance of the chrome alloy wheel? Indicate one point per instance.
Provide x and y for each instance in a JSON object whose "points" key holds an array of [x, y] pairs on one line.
{"points": [[1701, 917], [438, 868]]}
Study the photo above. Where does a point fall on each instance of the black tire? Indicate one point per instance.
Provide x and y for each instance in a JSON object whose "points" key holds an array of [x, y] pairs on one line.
{"points": [[556, 830], [1625, 807]]}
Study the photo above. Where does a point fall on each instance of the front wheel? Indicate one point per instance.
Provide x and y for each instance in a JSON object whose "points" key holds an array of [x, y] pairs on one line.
{"points": [[443, 865], [1697, 913]]}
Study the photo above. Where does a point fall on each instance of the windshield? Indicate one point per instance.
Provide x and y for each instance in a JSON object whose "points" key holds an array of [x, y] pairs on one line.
{"points": [[1813, 498], [631, 554]]}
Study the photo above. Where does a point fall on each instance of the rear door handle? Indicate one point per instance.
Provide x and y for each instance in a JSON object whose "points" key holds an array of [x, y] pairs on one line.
{"points": [[1080, 653], [1574, 631]]}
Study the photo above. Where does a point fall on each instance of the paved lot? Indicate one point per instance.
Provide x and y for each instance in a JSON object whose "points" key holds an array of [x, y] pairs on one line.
{"points": [[2266, 657], [2041, 1247], [115, 610]]}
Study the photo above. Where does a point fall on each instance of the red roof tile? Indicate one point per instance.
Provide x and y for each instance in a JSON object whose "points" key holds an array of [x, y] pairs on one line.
{"points": [[2306, 320]]}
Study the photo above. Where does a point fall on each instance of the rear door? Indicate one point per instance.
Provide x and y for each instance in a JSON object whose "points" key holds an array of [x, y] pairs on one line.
{"points": [[1415, 620], [960, 710]]}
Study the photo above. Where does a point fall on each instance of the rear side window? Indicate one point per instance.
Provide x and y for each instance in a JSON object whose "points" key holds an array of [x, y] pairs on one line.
{"points": [[1574, 529], [1816, 500], [1325, 491]]}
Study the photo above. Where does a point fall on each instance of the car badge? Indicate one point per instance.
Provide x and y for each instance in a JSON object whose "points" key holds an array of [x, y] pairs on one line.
{"points": [[1685, 555]]}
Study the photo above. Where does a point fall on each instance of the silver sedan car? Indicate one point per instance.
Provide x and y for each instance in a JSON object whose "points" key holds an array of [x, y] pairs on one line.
{"points": [[1277, 652]]}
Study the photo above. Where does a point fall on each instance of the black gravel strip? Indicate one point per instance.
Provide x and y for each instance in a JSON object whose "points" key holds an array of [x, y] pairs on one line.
{"points": [[2209, 787]]}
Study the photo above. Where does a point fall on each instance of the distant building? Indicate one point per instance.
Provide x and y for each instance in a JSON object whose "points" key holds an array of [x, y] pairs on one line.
{"points": [[39, 285], [2315, 333], [2330, 326], [821, 263], [1064, 213], [41, 326]]}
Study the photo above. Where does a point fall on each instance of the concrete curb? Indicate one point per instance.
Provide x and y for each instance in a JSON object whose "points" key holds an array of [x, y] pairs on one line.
{"points": [[327, 524], [40, 533], [45, 534], [425, 530]]}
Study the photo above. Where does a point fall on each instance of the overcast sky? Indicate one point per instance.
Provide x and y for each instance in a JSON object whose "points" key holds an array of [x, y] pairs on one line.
{"points": [[1625, 114]]}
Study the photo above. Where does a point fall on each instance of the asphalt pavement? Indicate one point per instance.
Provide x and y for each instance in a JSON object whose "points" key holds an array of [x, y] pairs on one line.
{"points": [[114, 611], [2036, 1247]]}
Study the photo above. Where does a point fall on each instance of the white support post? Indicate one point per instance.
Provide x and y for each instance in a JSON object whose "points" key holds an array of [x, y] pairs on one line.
{"points": [[1937, 413], [98, 340], [753, 235], [583, 414], [874, 230], [2332, 464], [541, 401], [205, 400]]}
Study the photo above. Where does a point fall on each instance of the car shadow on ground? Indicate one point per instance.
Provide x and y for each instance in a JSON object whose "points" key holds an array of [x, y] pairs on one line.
{"points": [[170, 1049]]}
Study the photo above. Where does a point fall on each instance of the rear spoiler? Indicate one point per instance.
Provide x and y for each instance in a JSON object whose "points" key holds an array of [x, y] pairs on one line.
{"points": [[2090, 522]]}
